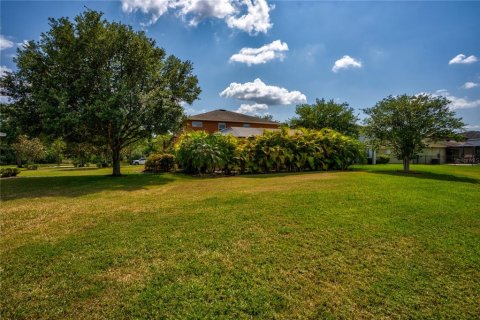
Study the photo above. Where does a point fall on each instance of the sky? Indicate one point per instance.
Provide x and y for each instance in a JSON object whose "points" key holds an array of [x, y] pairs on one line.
{"points": [[263, 56]]}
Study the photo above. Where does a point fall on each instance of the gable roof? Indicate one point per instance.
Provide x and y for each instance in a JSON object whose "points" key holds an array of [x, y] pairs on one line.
{"points": [[229, 116]]}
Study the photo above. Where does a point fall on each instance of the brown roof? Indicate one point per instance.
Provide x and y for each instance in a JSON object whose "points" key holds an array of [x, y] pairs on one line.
{"points": [[228, 116]]}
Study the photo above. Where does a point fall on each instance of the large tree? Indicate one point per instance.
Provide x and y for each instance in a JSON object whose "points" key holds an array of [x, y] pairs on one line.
{"points": [[407, 123], [326, 114], [98, 82]]}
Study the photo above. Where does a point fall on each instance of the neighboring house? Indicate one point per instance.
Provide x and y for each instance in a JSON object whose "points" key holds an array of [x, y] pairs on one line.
{"points": [[221, 119], [442, 151], [464, 151]]}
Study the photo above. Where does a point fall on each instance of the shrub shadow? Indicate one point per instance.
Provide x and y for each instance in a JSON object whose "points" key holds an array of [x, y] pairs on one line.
{"points": [[426, 175], [75, 186]]}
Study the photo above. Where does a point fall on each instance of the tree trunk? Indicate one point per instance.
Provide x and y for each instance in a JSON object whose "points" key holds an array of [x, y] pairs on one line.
{"points": [[116, 162], [406, 164]]}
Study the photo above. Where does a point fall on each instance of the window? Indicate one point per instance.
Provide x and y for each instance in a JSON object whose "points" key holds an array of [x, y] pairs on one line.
{"points": [[197, 124], [221, 126], [246, 125]]}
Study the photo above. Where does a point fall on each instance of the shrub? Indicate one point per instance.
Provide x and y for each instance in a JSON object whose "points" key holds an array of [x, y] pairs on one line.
{"points": [[383, 159], [273, 151], [30, 149], [301, 150], [32, 167], [200, 152], [9, 172], [160, 162]]}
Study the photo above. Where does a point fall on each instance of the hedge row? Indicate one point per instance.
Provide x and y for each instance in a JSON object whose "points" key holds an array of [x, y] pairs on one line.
{"points": [[274, 151]]}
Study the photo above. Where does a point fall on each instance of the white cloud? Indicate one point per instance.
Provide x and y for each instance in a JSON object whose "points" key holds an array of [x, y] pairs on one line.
{"points": [[254, 109], [4, 69], [463, 59], [346, 62], [22, 45], [458, 103], [261, 55], [252, 16], [472, 127], [5, 43], [257, 18], [260, 93], [470, 85]]}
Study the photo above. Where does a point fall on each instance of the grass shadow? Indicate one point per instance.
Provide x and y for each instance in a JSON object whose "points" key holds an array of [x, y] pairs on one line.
{"points": [[75, 186], [425, 175]]}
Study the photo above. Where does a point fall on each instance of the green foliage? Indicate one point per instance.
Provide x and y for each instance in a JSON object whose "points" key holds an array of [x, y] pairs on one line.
{"points": [[81, 153], [405, 122], [57, 150], [326, 114], [97, 82], [30, 149], [160, 162], [383, 159], [200, 152], [274, 151], [9, 172]]}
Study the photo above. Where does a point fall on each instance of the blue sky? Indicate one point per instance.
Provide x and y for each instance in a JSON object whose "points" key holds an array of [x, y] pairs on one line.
{"points": [[379, 48]]}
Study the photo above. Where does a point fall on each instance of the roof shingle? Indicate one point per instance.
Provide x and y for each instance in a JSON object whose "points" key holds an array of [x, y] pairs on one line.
{"points": [[228, 116]]}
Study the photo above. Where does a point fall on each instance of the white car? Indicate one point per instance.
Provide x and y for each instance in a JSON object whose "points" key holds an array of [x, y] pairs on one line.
{"points": [[139, 161]]}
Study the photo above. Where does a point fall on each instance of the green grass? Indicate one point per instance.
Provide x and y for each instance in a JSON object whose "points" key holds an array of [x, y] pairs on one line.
{"points": [[367, 243]]}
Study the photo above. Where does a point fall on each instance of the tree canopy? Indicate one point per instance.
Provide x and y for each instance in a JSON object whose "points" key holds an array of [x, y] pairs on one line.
{"points": [[99, 82], [406, 124], [326, 114]]}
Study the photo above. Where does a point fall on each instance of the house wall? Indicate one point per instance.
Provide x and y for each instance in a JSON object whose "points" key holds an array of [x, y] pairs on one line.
{"points": [[425, 156], [212, 126]]}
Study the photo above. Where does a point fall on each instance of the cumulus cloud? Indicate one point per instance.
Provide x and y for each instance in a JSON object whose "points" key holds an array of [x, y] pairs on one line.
{"points": [[257, 18], [472, 127], [458, 103], [346, 62], [261, 55], [5, 43], [470, 85], [254, 109], [3, 70], [252, 16], [260, 93], [463, 59]]}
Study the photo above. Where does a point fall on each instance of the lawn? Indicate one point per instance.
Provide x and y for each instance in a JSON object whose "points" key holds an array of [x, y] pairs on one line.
{"points": [[367, 243]]}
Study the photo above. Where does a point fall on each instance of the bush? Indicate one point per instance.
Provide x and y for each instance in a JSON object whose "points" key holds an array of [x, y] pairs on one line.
{"points": [[200, 152], [298, 151], [160, 162], [273, 151], [32, 167], [383, 159], [9, 172]]}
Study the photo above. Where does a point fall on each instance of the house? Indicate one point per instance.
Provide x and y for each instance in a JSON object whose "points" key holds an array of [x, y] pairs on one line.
{"points": [[218, 120], [464, 151], [441, 152]]}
